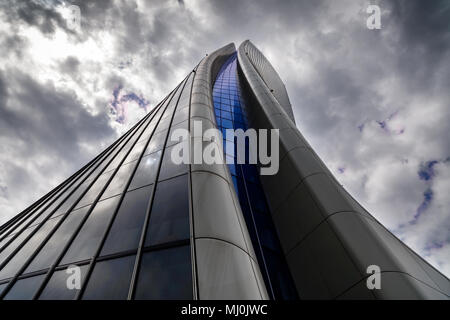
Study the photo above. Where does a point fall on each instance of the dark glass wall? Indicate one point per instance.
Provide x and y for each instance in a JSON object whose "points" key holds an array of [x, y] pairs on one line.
{"points": [[230, 111], [116, 219]]}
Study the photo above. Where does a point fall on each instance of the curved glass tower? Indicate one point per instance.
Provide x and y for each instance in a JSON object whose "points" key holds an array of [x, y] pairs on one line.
{"points": [[134, 224]]}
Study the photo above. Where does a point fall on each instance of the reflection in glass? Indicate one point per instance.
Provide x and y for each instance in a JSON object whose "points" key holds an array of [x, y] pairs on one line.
{"points": [[52, 249], [127, 227], [89, 237], [24, 253], [24, 289], [93, 192], [157, 142], [15, 243], [110, 279], [57, 287], [169, 218], [119, 181], [165, 274], [168, 168], [146, 172]]}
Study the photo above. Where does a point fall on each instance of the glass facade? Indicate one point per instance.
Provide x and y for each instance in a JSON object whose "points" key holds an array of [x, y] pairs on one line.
{"points": [[115, 219], [230, 112]]}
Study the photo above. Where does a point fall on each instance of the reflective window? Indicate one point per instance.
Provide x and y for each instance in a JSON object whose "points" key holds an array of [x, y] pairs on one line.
{"points": [[180, 116], [157, 142], [127, 227], [168, 168], [165, 274], [169, 218], [74, 197], [148, 131], [90, 235], [15, 243], [94, 191], [110, 279], [56, 243], [117, 159], [46, 212], [163, 124], [24, 289], [57, 288], [182, 125], [120, 179], [136, 151], [146, 172], [24, 253]]}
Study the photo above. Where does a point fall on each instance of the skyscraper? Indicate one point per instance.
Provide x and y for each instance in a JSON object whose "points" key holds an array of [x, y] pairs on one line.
{"points": [[132, 224]]}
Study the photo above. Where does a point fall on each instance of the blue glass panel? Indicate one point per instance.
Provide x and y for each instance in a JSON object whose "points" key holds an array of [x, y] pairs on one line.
{"points": [[230, 113]]}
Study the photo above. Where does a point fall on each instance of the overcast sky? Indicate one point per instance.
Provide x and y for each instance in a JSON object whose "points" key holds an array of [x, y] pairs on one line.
{"points": [[374, 104]]}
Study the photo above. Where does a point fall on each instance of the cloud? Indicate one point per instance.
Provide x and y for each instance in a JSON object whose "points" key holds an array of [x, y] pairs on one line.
{"points": [[373, 103]]}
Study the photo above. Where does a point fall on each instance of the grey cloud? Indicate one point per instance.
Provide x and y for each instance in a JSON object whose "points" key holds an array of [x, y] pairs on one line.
{"points": [[46, 128], [70, 65], [35, 13]]}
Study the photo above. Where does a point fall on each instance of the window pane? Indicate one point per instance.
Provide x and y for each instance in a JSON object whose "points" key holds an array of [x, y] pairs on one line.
{"points": [[180, 116], [118, 158], [24, 253], [88, 239], [165, 274], [127, 227], [57, 287], [110, 279], [56, 243], [135, 152], [157, 142], [74, 197], [24, 289], [15, 243], [163, 124], [146, 172], [93, 192], [119, 181], [168, 168], [169, 219], [183, 125]]}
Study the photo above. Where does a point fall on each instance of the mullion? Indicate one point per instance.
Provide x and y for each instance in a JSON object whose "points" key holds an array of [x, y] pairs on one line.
{"points": [[195, 292], [107, 152], [136, 267], [54, 266], [122, 196]]}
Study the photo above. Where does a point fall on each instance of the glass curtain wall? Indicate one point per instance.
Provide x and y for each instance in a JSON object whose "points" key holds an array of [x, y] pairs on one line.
{"points": [[229, 108]]}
